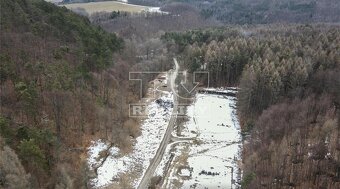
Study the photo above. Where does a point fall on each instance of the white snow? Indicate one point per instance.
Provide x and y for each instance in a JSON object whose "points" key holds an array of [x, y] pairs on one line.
{"points": [[154, 9], [213, 121], [223, 90], [110, 169], [147, 9], [153, 129], [176, 151], [184, 173], [160, 168], [54, 1], [93, 152]]}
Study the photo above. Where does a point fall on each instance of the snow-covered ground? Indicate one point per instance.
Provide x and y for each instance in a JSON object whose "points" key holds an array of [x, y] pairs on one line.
{"points": [[211, 157], [229, 89], [155, 9], [145, 147]]}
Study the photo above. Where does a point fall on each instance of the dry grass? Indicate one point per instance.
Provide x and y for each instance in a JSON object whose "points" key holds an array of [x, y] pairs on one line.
{"points": [[107, 6]]}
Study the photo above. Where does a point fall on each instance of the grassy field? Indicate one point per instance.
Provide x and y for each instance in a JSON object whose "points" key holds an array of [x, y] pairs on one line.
{"points": [[108, 6]]}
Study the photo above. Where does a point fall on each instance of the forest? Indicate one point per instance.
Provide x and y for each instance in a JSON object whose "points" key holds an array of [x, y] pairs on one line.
{"points": [[288, 102], [60, 78], [254, 11], [259, 11], [64, 82]]}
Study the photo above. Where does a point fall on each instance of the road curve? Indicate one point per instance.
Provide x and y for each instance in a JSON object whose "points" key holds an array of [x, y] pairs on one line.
{"points": [[167, 136]]}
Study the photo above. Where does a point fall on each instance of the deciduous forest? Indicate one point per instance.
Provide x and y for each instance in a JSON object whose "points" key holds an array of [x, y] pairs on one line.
{"points": [[64, 81]]}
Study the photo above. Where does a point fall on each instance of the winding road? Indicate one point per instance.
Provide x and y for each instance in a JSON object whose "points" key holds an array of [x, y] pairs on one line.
{"points": [[167, 136]]}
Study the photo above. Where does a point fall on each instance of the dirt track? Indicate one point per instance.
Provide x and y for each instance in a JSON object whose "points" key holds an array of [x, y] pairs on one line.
{"points": [[161, 150]]}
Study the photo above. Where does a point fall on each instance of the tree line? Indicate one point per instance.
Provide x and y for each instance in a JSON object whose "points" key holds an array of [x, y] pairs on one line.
{"points": [[260, 11], [288, 101]]}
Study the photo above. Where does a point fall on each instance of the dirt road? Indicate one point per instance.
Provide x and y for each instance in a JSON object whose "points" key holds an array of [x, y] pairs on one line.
{"points": [[161, 150]]}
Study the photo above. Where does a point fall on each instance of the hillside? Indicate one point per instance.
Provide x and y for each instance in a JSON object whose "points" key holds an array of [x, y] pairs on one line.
{"points": [[265, 113], [58, 89], [288, 99], [260, 11]]}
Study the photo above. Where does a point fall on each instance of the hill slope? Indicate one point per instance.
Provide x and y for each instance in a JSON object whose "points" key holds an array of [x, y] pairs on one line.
{"points": [[58, 88]]}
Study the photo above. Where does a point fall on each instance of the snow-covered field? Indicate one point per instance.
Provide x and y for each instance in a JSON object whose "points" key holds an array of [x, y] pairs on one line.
{"points": [[110, 6], [145, 147], [210, 160]]}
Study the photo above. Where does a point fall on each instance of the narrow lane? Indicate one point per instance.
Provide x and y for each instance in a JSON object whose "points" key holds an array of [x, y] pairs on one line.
{"points": [[161, 150]]}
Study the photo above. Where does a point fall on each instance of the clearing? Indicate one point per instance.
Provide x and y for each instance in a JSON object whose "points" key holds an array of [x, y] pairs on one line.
{"points": [[110, 6], [207, 153]]}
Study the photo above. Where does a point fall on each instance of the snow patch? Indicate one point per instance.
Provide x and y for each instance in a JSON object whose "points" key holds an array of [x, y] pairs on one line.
{"points": [[184, 172], [94, 151], [153, 129], [212, 162]]}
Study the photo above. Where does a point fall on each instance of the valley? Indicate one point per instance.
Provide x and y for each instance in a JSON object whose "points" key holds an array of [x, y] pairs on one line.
{"points": [[154, 94]]}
